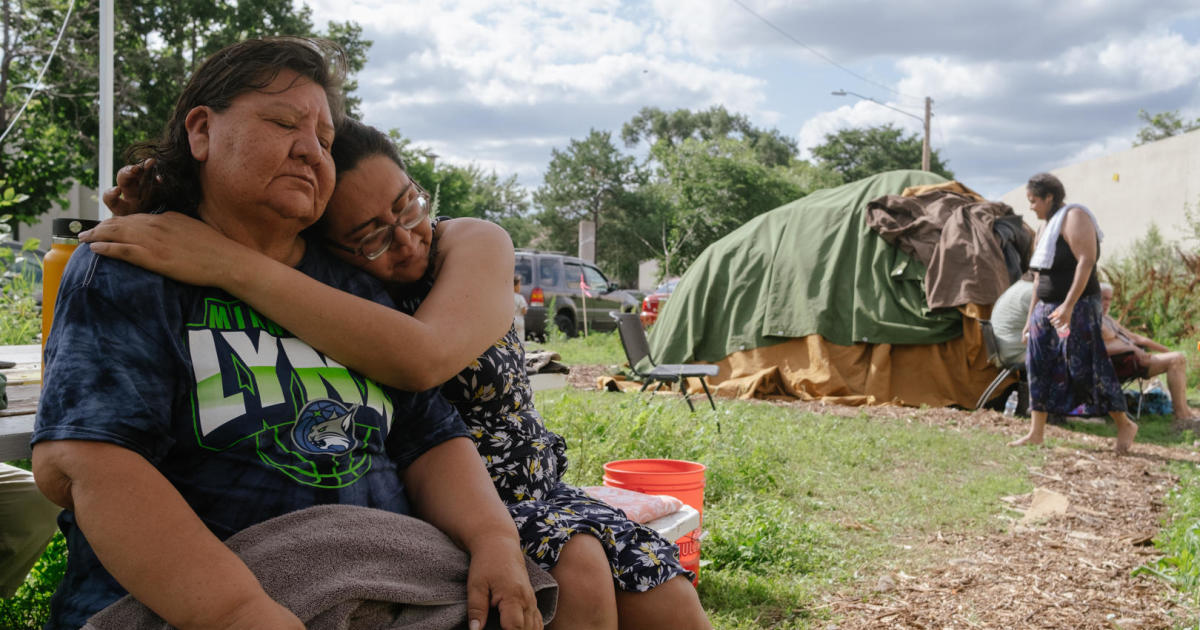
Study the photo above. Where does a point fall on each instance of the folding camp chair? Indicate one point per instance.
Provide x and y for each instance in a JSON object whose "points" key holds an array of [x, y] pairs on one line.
{"points": [[633, 340], [1006, 369]]}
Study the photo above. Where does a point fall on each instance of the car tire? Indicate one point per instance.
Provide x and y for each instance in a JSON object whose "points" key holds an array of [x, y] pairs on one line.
{"points": [[566, 324]]}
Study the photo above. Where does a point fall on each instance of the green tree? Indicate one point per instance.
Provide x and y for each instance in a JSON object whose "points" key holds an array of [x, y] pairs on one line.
{"points": [[712, 187], [469, 191], [859, 153], [1162, 125], [590, 179], [157, 46], [671, 128]]}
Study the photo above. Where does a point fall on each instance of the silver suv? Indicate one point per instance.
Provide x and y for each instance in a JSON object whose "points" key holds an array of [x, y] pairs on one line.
{"points": [[555, 279]]}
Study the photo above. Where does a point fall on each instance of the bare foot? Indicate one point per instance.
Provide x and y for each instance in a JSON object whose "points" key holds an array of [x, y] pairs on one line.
{"points": [[1028, 439], [1125, 436], [1191, 415]]}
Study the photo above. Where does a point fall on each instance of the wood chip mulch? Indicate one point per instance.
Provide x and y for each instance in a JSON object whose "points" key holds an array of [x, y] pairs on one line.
{"points": [[1065, 570]]}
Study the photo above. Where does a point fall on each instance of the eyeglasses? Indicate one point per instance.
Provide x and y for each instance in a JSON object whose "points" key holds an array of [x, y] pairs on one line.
{"points": [[378, 240]]}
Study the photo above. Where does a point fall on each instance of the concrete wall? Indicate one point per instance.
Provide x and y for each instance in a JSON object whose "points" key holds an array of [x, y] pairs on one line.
{"points": [[1130, 189], [82, 203], [648, 275]]}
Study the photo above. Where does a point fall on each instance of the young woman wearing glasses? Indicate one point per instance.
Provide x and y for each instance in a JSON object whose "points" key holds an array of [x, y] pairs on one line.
{"points": [[454, 277]]}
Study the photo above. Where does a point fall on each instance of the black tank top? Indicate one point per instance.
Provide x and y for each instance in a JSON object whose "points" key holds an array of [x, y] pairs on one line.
{"points": [[1055, 283]]}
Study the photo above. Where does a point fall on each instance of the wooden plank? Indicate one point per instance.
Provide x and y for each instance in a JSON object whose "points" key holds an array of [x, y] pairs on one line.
{"points": [[15, 432], [28, 369], [16, 422]]}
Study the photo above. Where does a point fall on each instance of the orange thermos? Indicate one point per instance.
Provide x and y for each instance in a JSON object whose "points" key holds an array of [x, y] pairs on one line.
{"points": [[64, 240]]}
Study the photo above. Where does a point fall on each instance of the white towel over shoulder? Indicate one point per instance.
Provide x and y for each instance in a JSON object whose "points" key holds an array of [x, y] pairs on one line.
{"points": [[1043, 255]]}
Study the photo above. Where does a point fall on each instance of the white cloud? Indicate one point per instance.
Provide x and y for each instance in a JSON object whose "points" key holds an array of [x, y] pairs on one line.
{"points": [[1017, 85]]}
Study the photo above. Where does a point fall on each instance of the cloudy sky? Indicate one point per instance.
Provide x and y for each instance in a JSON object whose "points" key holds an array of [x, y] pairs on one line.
{"points": [[1016, 87]]}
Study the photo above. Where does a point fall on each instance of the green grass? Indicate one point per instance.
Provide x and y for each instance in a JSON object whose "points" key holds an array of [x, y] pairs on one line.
{"points": [[797, 505], [1179, 541], [1152, 429], [598, 348]]}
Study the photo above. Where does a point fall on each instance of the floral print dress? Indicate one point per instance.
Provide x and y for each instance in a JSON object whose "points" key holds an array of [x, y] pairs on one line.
{"points": [[527, 461]]}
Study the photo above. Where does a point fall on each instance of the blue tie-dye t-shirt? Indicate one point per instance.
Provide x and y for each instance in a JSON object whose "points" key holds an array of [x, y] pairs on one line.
{"points": [[247, 421]]}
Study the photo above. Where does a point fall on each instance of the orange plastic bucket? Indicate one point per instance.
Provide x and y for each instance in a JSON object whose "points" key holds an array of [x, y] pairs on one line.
{"points": [[671, 477]]}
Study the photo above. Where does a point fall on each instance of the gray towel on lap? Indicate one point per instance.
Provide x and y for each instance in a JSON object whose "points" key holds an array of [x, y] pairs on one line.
{"points": [[342, 567]]}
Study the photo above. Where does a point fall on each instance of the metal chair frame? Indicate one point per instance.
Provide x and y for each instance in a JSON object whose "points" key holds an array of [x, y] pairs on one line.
{"points": [[633, 341], [993, 355]]}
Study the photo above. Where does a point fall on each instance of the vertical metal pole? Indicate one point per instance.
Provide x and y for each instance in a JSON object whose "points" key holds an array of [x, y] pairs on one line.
{"points": [[106, 103], [925, 145]]}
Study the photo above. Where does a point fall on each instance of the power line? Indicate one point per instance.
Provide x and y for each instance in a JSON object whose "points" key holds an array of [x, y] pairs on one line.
{"points": [[819, 54], [37, 84]]}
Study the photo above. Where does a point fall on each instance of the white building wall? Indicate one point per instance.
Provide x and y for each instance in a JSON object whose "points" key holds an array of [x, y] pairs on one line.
{"points": [[1129, 190], [82, 203]]}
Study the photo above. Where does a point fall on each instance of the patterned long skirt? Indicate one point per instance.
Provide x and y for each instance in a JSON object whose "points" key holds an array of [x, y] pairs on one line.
{"points": [[1074, 376], [640, 559]]}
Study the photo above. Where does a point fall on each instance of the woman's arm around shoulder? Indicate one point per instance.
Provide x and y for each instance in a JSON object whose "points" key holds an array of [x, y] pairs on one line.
{"points": [[383, 343], [471, 304]]}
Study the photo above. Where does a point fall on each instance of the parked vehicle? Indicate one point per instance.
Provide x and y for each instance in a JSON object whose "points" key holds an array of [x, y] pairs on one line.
{"points": [[654, 301], [555, 279]]}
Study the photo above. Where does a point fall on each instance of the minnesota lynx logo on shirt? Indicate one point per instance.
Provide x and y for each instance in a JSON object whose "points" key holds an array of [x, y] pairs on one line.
{"points": [[247, 368]]}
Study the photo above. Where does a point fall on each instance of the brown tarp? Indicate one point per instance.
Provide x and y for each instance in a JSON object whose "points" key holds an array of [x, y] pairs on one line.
{"points": [[951, 233]]}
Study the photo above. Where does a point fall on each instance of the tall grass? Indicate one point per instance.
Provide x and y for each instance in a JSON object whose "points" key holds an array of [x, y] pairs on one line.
{"points": [[20, 313], [1155, 288], [1179, 540]]}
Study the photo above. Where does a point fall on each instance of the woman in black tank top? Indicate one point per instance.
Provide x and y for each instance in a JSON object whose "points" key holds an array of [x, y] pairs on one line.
{"points": [[1068, 367]]}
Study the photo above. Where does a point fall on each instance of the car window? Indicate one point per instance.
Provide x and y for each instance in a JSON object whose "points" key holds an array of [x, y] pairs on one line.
{"points": [[524, 268], [548, 273], [596, 280], [574, 274]]}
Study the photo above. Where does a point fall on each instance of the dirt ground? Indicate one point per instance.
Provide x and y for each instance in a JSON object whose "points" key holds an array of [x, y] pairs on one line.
{"points": [[1064, 563]]}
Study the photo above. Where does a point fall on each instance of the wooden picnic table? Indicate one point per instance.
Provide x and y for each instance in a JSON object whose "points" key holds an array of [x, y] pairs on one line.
{"points": [[24, 388]]}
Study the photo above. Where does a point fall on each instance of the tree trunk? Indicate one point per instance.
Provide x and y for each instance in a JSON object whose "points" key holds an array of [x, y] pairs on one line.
{"points": [[6, 67]]}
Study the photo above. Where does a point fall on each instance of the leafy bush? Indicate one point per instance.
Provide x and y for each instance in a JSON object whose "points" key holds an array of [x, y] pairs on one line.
{"points": [[29, 608], [1155, 288], [20, 314]]}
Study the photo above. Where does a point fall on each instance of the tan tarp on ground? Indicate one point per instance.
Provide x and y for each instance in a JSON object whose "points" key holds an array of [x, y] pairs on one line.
{"points": [[811, 368]]}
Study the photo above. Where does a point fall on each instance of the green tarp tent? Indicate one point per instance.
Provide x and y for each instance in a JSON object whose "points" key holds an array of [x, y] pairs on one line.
{"points": [[809, 267]]}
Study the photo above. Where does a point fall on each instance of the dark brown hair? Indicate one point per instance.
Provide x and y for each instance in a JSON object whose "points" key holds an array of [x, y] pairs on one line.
{"points": [[355, 142], [249, 65], [1044, 184]]}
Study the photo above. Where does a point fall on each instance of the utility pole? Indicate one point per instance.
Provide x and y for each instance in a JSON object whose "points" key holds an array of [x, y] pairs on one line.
{"points": [[925, 121], [925, 144]]}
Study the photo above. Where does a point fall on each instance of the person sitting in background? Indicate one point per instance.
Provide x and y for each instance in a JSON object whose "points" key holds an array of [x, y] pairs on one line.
{"points": [[27, 523], [1127, 350], [520, 307], [1009, 315]]}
